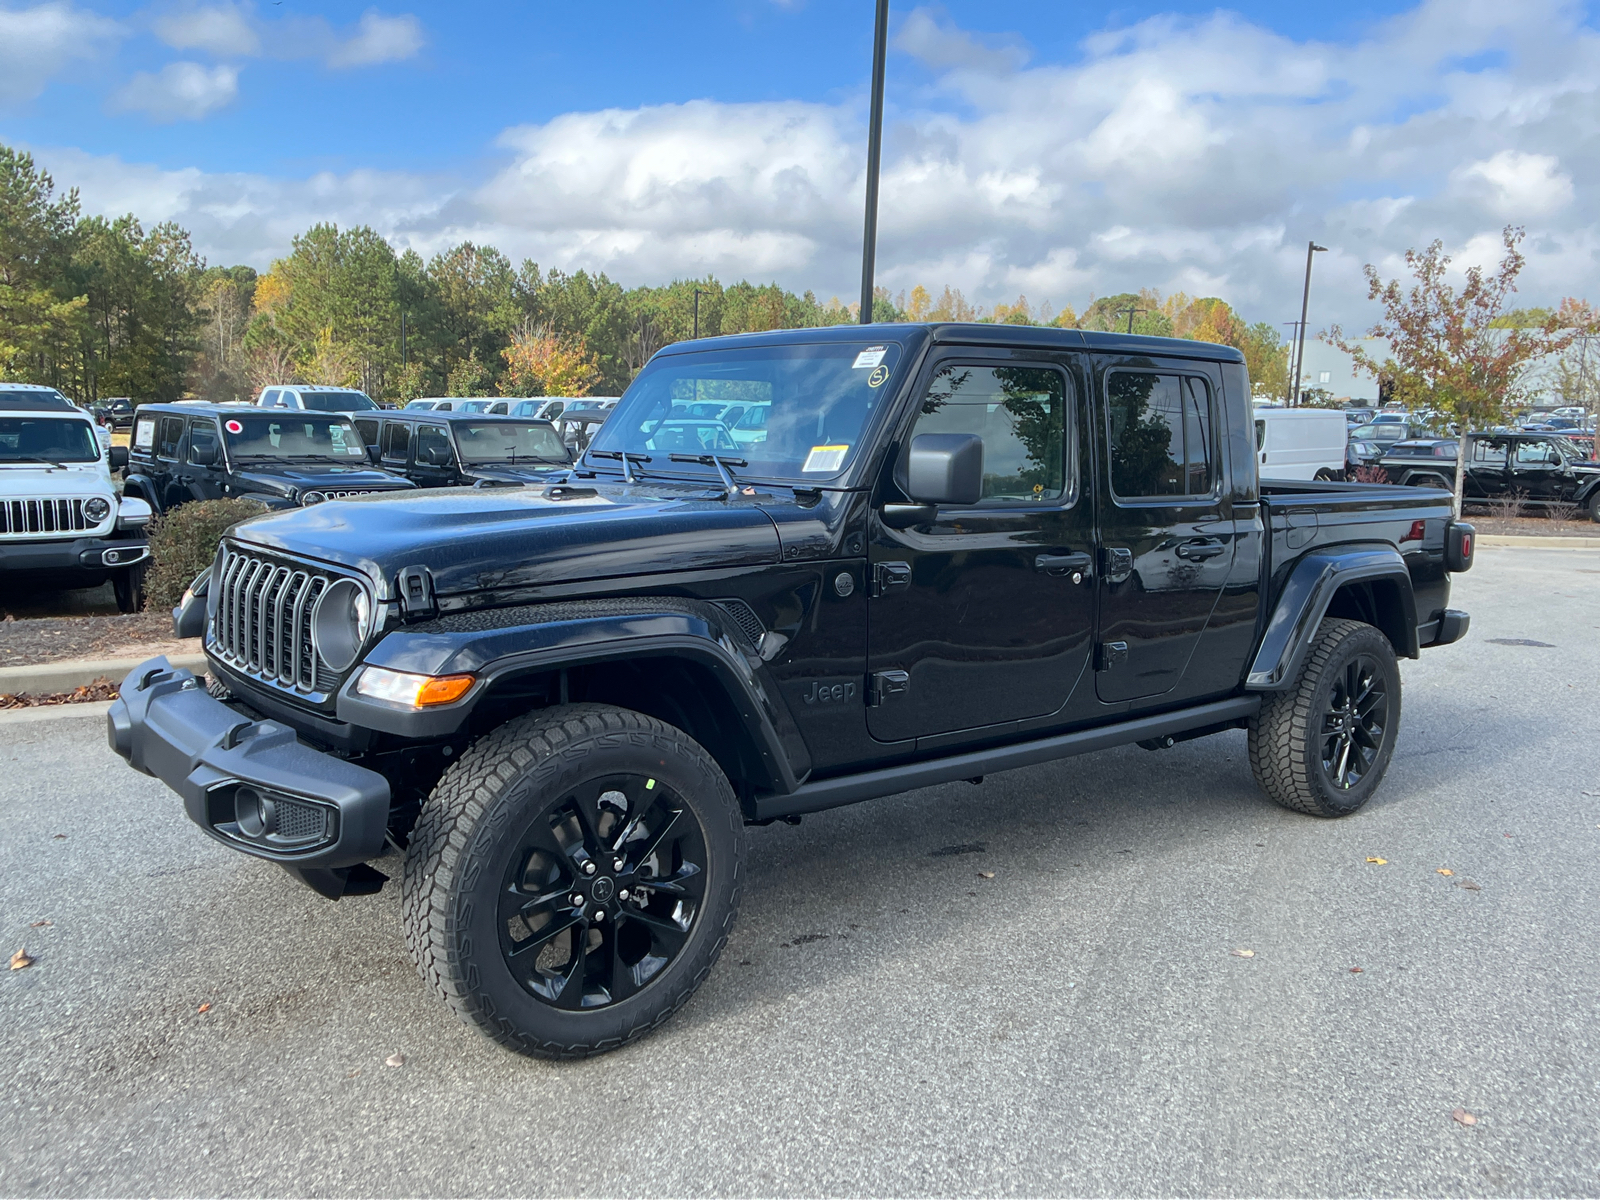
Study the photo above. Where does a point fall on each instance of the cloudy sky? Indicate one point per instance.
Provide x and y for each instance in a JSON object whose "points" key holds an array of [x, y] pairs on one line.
{"points": [[1055, 149]]}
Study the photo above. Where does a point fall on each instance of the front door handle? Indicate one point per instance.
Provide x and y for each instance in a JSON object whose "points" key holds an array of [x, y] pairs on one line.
{"points": [[1200, 550], [1064, 564]]}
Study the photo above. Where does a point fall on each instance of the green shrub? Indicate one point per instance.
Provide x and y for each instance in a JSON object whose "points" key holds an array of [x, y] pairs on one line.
{"points": [[183, 542]]}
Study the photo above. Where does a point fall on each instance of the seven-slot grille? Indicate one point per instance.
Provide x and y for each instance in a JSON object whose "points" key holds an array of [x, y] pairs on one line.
{"points": [[263, 619], [22, 517], [347, 493]]}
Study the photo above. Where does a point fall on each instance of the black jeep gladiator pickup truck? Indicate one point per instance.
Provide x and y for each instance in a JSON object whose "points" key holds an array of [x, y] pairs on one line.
{"points": [[952, 550]]}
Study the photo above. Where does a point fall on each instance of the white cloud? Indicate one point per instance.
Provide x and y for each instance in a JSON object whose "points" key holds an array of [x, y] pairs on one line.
{"points": [[378, 39], [227, 30], [38, 43], [180, 91], [1198, 154]]}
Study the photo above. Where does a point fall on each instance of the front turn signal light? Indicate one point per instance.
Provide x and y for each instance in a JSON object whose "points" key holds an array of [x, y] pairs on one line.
{"points": [[413, 691]]}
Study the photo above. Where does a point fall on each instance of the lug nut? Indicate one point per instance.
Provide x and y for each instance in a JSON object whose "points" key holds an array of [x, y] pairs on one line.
{"points": [[589, 868], [599, 914], [623, 894], [577, 899], [617, 864]]}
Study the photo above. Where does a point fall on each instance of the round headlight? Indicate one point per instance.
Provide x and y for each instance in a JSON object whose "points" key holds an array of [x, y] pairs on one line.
{"points": [[96, 509], [312, 498], [340, 624]]}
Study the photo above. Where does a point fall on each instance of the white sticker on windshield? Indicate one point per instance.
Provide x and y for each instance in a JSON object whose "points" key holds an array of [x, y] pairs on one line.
{"points": [[144, 434], [825, 458], [869, 358]]}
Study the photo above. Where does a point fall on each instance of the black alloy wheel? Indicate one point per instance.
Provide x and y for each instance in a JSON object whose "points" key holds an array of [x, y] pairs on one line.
{"points": [[1353, 722], [573, 877], [603, 892]]}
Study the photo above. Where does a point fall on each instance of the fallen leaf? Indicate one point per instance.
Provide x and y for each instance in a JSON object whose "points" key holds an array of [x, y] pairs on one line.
{"points": [[204, 1008], [1243, 953], [395, 1060], [58, 837], [1379, 861], [1356, 971], [1469, 885], [1444, 871], [21, 959], [354, 1073], [40, 924], [985, 874], [1464, 1117]]}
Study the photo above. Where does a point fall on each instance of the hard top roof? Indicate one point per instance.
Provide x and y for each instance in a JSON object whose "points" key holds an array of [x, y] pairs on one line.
{"points": [[913, 335], [310, 387], [426, 415], [206, 408], [33, 397]]}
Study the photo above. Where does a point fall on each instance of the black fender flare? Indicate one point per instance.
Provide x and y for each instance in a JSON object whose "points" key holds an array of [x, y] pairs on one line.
{"points": [[1427, 479], [1312, 584], [497, 645], [142, 487]]}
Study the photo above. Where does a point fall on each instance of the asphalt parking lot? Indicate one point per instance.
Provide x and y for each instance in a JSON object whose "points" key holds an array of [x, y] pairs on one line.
{"points": [[885, 1019]]}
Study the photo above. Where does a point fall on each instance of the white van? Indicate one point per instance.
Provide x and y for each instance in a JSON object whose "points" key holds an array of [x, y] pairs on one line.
{"points": [[1301, 443], [61, 518]]}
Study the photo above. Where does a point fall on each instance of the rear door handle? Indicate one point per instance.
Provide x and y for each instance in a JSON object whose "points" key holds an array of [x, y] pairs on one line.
{"points": [[1197, 551], [1063, 564]]}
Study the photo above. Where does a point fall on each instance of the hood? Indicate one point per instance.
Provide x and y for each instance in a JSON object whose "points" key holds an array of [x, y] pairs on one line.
{"points": [[478, 539], [303, 477], [70, 479]]}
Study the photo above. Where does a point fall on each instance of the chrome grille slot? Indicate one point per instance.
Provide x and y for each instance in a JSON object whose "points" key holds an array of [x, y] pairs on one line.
{"points": [[32, 516], [263, 620]]}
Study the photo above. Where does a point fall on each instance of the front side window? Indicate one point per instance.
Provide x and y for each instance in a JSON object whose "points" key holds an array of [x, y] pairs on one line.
{"points": [[509, 442], [819, 397], [1019, 412], [25, 439], [1537, 454], [368, 431], [1160, 434], [430, 440], [293, 436], [202, 437]]}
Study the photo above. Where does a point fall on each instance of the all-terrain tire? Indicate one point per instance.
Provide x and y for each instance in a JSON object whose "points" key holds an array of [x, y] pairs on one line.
{"points": [[467, 834], [128, 585], [1287, 735], [1594, 506]]}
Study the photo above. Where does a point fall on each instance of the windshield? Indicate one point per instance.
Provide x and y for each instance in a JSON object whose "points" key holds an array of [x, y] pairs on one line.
{"points": [[337, 401], [508, 441], [1382, 431], [817, 401], [44, 440], [293, 436], [1571, 448]]}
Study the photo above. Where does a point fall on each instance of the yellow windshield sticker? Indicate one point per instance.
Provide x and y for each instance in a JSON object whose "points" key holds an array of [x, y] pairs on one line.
{"points": [[879, 374], [825, 458]]}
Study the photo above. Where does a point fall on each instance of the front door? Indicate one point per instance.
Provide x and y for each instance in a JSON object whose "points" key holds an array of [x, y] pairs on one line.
{"points": [[428, 443], [1167, 542], [1536, 470], [983, 614]]}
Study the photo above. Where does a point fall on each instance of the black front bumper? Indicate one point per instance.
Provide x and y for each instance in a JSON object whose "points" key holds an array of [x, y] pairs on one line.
{"points": [[78, 554], [251, 784]]}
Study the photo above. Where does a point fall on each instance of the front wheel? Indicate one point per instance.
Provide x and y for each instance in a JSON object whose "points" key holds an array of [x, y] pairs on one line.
{"points": [[128, 586], [1594, 507], [1322, 746], [573, 878]]}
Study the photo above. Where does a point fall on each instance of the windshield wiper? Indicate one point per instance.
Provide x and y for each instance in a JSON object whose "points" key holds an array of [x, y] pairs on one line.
{"points": [[720, 461], [626, 457], [31, 458], [320, 458]]}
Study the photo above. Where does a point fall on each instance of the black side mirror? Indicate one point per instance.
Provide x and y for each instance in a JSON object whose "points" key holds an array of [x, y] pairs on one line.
{"points": [[118, 458], [437, 456], [203, 456], [373, 456], [945, 468]]}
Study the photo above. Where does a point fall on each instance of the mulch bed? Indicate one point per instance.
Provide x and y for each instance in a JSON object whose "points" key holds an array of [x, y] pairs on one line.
{"points": [[100, 689], [54, 639], [1484, 522]]}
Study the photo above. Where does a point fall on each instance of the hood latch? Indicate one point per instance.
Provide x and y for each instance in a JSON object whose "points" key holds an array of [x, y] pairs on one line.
{"points": [[415, 585]]}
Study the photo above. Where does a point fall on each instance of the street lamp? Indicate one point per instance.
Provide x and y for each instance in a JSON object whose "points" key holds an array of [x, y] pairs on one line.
{"points": [[1305, 300], [869, 236]]}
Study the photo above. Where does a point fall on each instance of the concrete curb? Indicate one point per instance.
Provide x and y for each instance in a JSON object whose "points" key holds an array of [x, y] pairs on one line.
{"points": [[49, 712], [44, 679], [1539, 543]]}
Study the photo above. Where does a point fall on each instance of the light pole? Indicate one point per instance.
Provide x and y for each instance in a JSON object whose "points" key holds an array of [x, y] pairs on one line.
{"points": [[1305, 301], [1130, 314], [869, 237], [1288, 370]]}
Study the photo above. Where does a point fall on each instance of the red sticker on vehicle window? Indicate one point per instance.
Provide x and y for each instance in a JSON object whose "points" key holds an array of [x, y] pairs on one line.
{"points": [[234, 427]]}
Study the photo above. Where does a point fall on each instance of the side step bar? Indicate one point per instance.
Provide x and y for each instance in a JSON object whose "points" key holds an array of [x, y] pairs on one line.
{"points": [[889, 781]]}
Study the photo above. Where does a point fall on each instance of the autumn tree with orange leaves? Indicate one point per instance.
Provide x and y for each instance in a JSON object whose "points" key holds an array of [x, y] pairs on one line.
{"points": [[541, 362], [1448, 350]]}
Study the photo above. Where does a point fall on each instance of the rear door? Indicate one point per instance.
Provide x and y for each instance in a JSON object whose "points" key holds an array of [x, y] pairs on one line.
{"points": [[984, 614], [1487, 470], [1167, 536]]}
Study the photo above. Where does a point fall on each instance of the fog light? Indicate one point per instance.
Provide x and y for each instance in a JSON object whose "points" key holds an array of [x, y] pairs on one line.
{"points": [[413, 691], [254, 813]]}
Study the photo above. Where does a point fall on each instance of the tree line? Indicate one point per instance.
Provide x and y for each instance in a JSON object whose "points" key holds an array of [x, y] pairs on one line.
{"points": [[101, 307]]}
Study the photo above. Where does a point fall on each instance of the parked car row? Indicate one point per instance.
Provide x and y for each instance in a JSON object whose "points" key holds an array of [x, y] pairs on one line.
{"points": [[1540, 470]]}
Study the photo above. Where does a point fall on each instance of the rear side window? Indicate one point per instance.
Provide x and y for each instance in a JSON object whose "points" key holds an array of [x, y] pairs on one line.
{"points": [[171, 435], [396, 440], [1019, 412], [1491, 454], [1160, 434]]}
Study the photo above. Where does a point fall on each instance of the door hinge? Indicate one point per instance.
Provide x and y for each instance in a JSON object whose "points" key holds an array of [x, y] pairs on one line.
{"points": [[889, 577], [1116, 563], [415, 585], [1109, 654], [883, 684]]}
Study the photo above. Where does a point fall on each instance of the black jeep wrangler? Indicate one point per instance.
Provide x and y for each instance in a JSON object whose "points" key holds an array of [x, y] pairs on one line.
{"points": [[451, 449], [283, 458], [955, 549]]}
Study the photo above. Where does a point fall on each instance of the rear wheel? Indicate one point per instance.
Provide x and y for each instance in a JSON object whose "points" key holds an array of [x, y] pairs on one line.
{"points": [[1322, 747], [1594, 506], [573, 878]]}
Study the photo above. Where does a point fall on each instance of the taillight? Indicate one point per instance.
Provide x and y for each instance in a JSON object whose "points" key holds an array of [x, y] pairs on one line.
{"points": [[1417, 529], [1458, 546]]}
